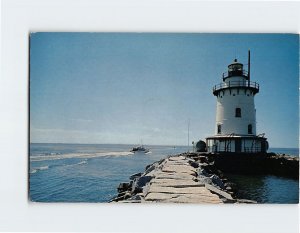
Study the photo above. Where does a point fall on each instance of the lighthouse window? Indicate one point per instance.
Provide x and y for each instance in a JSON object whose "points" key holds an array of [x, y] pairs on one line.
{"points": [[249, 129], [238, 112], [219, 129]]}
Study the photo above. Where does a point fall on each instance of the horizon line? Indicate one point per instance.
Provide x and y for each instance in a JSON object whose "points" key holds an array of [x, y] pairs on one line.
{"points": [[136, 144], [104, 143]]}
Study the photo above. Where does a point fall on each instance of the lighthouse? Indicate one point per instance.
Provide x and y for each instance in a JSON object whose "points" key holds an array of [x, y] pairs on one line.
{"points": [[235, 128]]}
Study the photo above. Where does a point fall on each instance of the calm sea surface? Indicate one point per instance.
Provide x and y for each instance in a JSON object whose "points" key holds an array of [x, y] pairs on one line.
{"points": [[92, 173]]}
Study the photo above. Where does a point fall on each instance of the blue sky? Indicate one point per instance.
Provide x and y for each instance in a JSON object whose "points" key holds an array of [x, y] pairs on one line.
{"points": [[128, 87]]}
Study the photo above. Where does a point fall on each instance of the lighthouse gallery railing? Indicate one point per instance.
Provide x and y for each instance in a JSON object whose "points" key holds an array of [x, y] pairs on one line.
{"points": [[243, 84]]}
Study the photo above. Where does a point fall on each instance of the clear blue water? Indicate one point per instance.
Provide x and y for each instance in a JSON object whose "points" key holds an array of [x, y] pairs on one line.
{"points": [[92, 173], [266, 189], [86, 173]]}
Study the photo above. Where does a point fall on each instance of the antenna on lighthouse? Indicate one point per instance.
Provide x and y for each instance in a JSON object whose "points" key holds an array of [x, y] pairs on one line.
{"points": [[249, 64]]}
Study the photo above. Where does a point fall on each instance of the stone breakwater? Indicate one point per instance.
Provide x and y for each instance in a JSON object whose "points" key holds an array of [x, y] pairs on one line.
{"points": [[199, 177], [255, 164], [179, 179]]}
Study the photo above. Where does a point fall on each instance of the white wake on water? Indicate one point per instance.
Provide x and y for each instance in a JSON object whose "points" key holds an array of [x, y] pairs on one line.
{"points": [[74, 164], [82, 162], [34, 158], [34, 170]]}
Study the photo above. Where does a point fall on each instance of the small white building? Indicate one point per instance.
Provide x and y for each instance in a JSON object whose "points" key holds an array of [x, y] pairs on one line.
{"points": [[235, 129]]}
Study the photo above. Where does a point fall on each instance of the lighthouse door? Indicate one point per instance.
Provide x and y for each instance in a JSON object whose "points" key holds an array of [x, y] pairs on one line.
{"points": [[238, 145]]}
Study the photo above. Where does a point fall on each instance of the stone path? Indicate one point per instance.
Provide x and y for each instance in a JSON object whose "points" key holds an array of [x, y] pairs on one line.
{"points": [[176, 182]]}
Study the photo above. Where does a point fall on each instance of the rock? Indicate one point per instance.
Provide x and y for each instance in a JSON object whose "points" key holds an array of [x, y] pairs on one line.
{"points": [[202, 159], [146, 189], [156, 188], [224, 180], [246, 201], [175, 183], [202, 172], [179, 169], [175, 176], [150, 168], [219, 192], [121, 194], [204, 164], [127, 195], [161, 161], [123, 187], [139, 183], [208, 198], [122, 197], [136, 197], [204, 180], [192, 198], [228, 188], [177, 158], [217, 181], [134, 176], [194, 164], [159, 196], [153, 173]]}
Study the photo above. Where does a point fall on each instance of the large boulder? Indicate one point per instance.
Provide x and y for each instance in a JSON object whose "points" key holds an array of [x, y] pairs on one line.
{"points": [[217, 181], [202, 172], [194, 164], [139, 183], [124, 187], [151, 167], [204, 179], [134, 176]]}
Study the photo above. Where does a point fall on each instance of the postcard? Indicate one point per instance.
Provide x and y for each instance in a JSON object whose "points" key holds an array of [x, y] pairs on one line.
{"points": [[164, 118]]}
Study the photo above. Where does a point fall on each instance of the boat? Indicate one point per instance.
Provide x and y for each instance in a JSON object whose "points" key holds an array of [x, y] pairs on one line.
{"points": [[139, 149]]}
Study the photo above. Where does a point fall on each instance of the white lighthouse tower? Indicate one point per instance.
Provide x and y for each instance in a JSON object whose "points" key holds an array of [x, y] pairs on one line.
{"points": [[235, 129]]}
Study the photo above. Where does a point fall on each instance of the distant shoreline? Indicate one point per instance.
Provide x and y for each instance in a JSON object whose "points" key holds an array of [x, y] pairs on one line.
{"points": [[129, 144]]}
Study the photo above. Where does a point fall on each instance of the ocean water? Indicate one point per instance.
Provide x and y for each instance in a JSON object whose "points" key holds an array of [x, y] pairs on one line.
{"points": [[268, 188], [86, 173], [92, 173]]}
